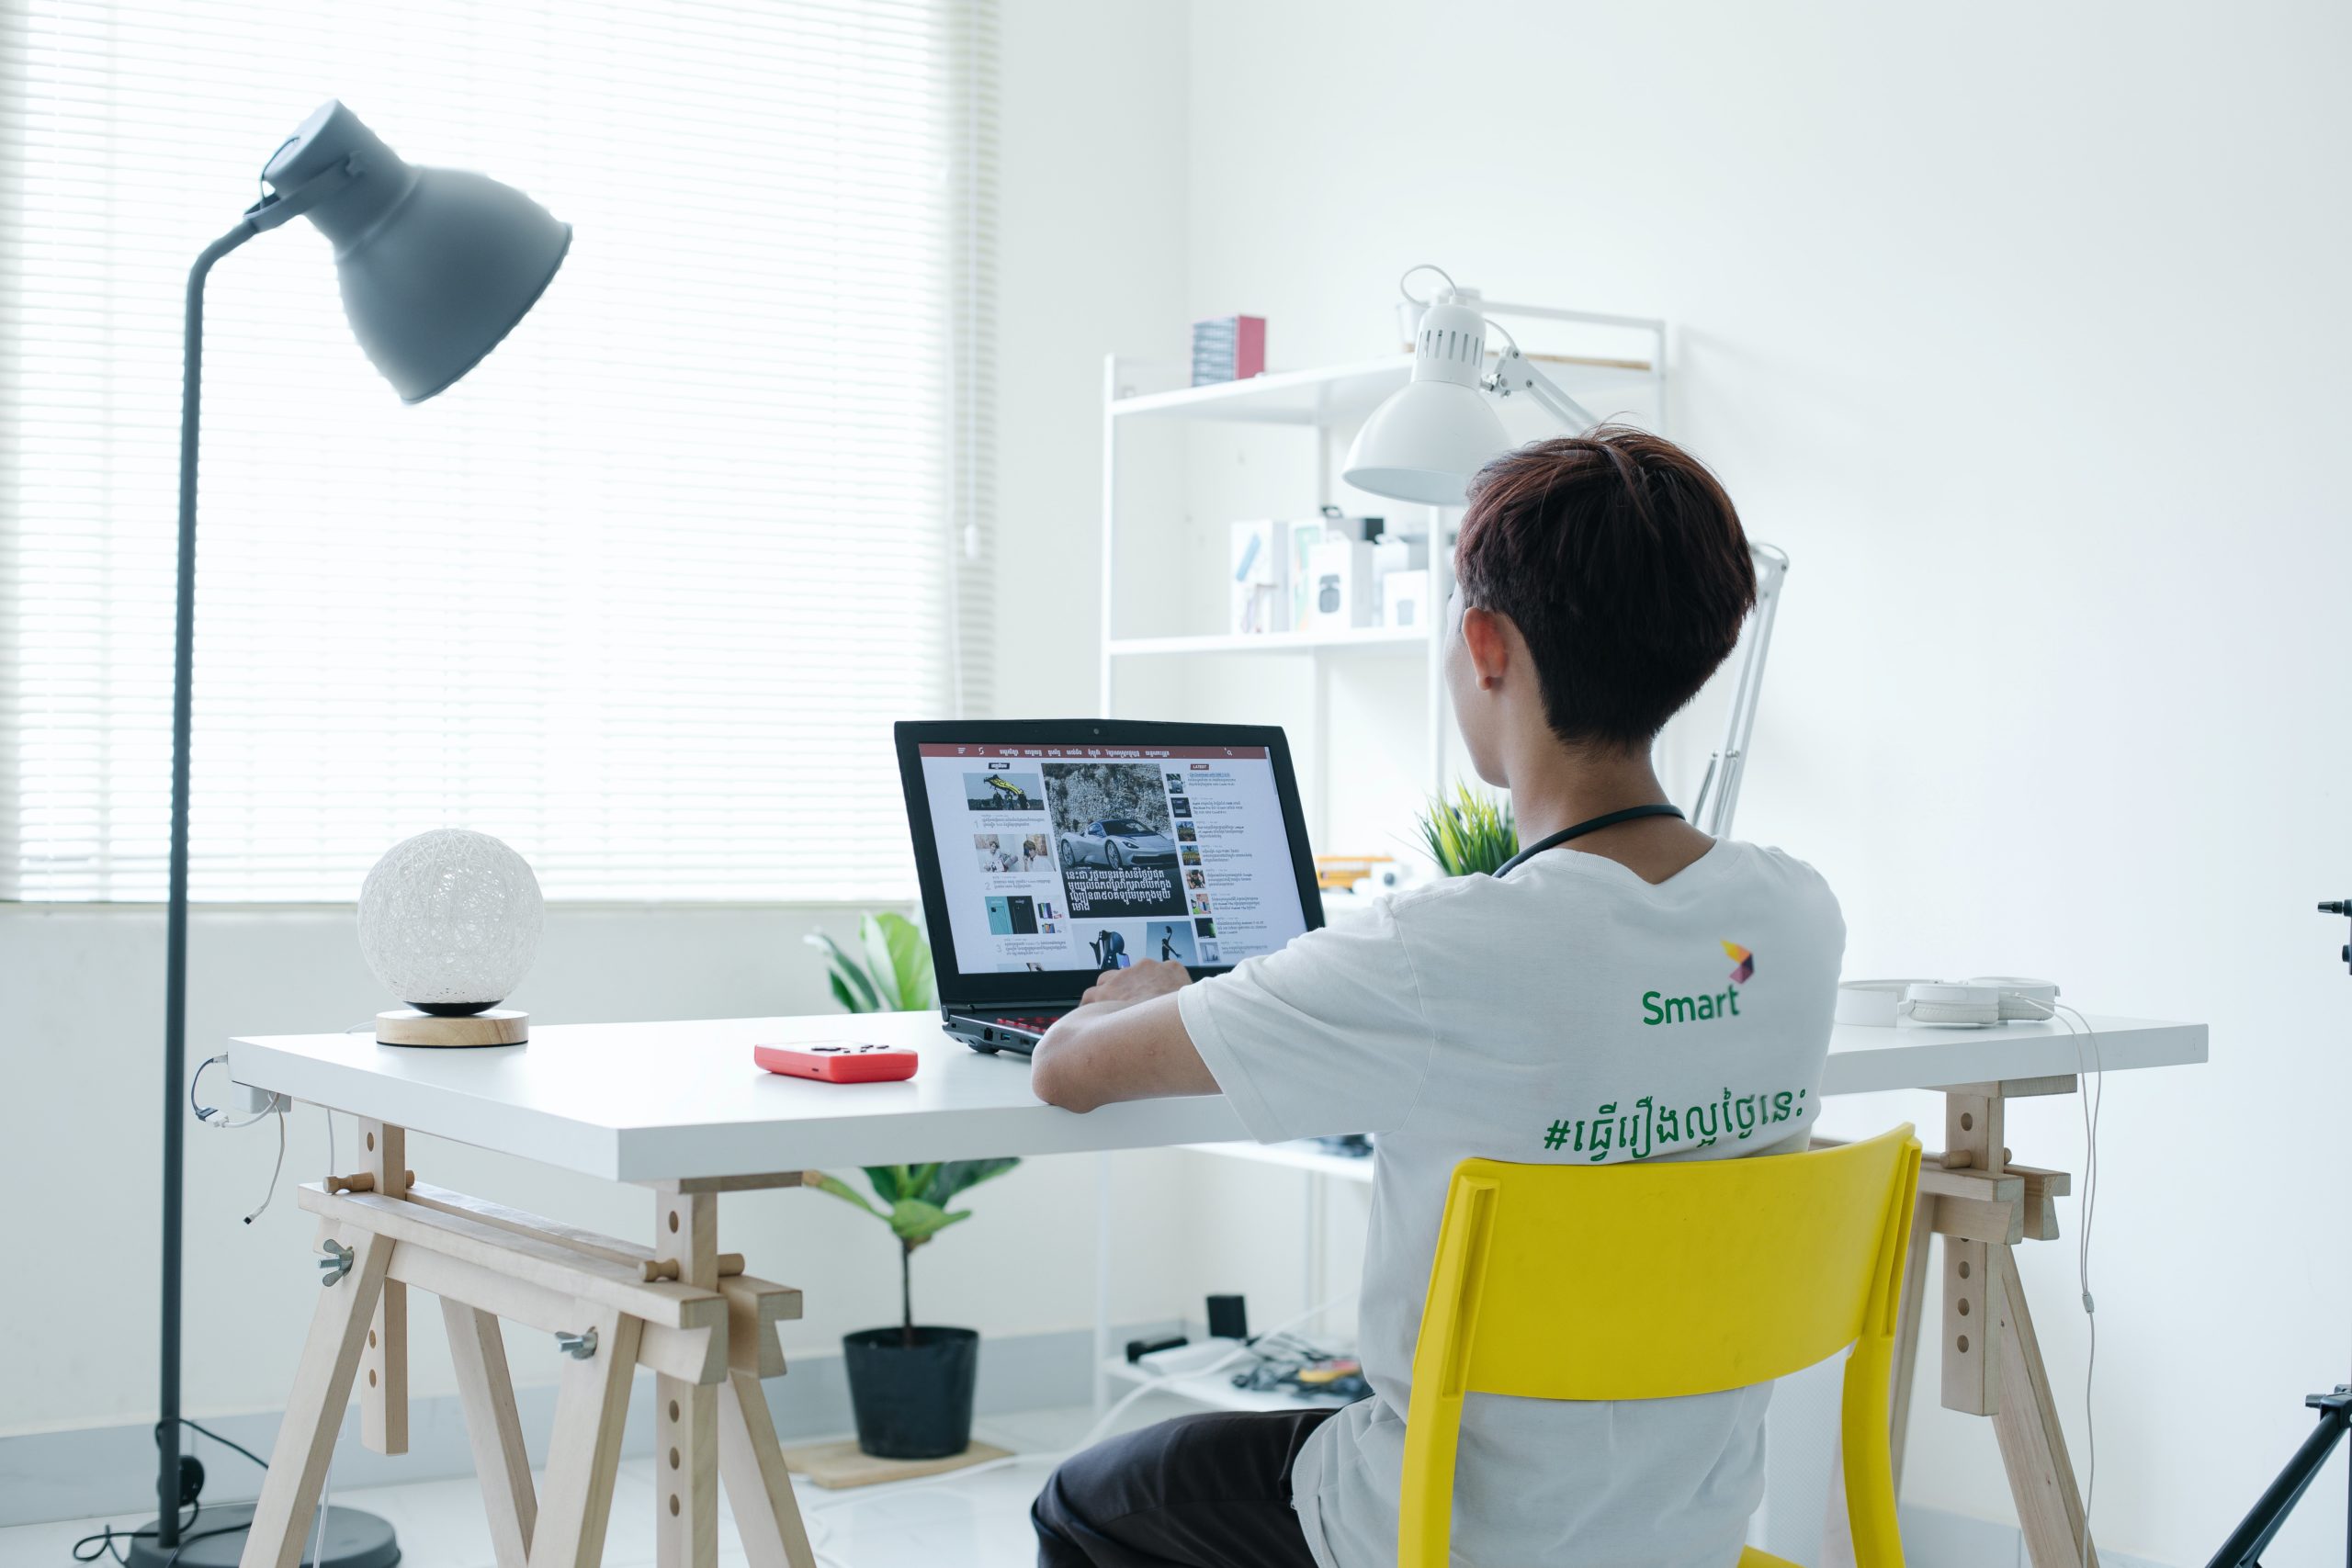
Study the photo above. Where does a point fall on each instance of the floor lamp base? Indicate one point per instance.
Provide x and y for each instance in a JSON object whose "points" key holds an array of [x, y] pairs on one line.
{"points": [[354, 1540]]}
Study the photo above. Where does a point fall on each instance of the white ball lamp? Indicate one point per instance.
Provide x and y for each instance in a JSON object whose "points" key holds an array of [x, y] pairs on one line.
{"points": [[449, 921]]}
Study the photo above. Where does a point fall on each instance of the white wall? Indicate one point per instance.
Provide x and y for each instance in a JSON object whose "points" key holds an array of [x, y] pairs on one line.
{"points": [[1090, 258], [2021, 330], [2024, 331]]}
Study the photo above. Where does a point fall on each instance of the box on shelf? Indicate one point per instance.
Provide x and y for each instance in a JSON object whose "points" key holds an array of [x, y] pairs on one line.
{"points": [[1405, 597], [1258, 588], [1228, 348], [1340, 586], [1299, 540], [1369, 529], [1389, 554]]}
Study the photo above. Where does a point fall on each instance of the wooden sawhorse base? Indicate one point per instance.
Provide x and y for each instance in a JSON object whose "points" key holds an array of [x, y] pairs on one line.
{"points": [[706, 1329], [1983, 1206]]}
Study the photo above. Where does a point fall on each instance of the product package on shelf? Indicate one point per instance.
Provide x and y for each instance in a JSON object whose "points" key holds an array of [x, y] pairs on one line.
{"points": [[1340, 586], [1228, 348], [1258, 586], [1299, 540], [1405, 598]]}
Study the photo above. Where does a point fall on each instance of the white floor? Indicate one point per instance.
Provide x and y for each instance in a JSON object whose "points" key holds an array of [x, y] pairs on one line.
{"points": [[974, 1520]]}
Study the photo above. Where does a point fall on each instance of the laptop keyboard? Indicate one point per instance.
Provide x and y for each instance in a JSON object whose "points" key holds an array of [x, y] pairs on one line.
{"points": [[1034, 1025]]}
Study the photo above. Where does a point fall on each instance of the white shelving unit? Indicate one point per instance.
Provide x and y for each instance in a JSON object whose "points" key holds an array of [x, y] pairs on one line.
{"points": [[1328, 402], [1323, 406]]}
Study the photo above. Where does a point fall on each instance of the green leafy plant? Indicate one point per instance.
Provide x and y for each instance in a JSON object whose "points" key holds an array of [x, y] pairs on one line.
{"points": [[1472, 832], [890, 971], [915, 1199]]}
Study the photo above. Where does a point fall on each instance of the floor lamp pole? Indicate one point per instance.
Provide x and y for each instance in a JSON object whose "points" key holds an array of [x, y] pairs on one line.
{"points": [[167, 1416], [430, 286]]}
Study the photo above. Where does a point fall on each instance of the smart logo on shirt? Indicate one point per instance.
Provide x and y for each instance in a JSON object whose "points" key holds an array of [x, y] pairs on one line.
{"points": [[1659, 1008]]}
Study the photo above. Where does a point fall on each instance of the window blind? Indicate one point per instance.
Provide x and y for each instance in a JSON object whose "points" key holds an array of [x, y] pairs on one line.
{"points": [[643, 593]]}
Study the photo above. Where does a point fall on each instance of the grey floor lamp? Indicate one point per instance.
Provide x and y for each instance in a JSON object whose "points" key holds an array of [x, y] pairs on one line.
{"points": [[436, 266]]}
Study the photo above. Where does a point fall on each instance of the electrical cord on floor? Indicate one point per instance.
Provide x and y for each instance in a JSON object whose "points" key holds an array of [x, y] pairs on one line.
{"points": [[100, 1543], [820, 1542]]}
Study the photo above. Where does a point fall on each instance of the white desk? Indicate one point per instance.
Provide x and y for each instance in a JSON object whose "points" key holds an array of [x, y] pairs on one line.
{"points": [[681, 1108], [646, 1102]]}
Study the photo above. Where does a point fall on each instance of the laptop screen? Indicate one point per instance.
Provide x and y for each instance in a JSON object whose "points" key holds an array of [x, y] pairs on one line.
{"points": [[1061, 859]]}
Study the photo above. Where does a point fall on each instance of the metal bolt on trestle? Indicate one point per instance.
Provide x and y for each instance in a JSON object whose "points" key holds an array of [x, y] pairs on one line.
{"points": [[335, 1264], [579, 1347]]}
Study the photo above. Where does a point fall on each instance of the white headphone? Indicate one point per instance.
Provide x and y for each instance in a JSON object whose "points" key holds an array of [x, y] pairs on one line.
{"points": [[1962, 1004]]}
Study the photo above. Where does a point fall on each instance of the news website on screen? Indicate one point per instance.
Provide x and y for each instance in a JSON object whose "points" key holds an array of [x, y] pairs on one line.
{"points": [[1093, 857]]}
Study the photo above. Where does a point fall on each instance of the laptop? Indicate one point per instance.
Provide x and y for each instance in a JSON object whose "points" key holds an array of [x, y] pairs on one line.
{"points": [[1052, 850]]}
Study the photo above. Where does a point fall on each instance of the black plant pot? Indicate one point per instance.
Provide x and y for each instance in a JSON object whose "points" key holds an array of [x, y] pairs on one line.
{"points": [[913, 1401]]}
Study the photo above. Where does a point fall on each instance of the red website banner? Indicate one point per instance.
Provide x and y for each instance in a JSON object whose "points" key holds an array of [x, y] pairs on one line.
{"points": [[1098, 753]]}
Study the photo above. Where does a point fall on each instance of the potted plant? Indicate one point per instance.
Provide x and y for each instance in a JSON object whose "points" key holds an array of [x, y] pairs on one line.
{"points": [[1472, 832], [890, 972], [910, 1384]]}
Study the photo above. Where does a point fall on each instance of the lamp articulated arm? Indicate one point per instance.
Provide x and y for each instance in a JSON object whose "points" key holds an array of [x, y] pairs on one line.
{"points": [[1719, 790], [1515, 372]]}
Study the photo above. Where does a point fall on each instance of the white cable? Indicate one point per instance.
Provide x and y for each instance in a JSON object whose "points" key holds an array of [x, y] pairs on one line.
{"points": [[818, 1545], [326, 1482], [2094, 1097], [1412, 299], [205, 1113], [274, 1170], [326, 1492]]}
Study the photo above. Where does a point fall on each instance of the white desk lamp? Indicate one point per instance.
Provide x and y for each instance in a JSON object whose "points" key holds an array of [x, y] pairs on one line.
{"points": [[1430, 437]]}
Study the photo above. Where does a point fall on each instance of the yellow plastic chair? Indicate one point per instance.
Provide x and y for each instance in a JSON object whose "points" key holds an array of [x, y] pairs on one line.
{"points": [[1722, 1273]]}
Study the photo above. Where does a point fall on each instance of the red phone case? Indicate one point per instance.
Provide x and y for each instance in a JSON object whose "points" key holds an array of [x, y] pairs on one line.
{"points": [[837, 1061]]}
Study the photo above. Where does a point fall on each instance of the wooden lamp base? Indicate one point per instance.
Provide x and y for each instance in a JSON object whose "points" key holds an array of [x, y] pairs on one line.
{"points": [[498, 1026]]}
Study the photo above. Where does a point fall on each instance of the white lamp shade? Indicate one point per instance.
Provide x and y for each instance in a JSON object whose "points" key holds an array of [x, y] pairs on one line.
{"points": [[1425, 443], [450, 920]]}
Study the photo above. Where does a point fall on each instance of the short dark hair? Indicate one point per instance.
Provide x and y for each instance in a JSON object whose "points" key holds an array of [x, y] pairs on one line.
{"points": [[1622, 563]]}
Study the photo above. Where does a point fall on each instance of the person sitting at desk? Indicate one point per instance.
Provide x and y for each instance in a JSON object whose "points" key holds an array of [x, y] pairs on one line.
{"points": [[1625, 988]]}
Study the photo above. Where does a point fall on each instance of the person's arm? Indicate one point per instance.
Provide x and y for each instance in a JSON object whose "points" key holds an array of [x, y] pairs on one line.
{"points": [[1126, 1041]]}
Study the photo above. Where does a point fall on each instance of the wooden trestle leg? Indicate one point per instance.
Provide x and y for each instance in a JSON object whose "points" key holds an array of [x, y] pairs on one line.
{"points": [[681, 1307]]}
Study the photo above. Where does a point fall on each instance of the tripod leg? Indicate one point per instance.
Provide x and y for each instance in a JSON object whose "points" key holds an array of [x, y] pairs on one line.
{"points": [[2244, 1546]]}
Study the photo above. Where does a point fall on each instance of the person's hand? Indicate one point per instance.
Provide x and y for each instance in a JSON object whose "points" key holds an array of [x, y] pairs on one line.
{"points": [[1148, 978]]}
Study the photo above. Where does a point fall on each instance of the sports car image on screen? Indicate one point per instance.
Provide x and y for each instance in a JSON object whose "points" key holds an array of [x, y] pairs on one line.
{"points": [[1118, 841]]}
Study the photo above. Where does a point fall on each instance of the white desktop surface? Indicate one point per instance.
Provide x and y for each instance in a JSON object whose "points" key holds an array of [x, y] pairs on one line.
{"points": [[656, 1101]]}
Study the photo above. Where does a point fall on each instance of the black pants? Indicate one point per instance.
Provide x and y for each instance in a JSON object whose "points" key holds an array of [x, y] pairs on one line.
{"points": [[1197, 1492]]}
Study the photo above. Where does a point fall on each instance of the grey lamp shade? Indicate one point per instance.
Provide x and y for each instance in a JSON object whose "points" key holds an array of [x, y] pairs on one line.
{"points": [[436, 266]]}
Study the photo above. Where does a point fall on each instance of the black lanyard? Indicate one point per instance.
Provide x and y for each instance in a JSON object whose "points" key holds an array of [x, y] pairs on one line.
{"points": [[1591, 825]]}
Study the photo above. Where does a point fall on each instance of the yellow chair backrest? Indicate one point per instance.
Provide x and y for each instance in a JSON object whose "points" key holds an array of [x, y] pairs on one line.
{"points": [[1651, 1281]]}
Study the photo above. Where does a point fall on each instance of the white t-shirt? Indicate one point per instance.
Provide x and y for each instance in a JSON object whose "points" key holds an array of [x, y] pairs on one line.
{"points": [[1566, 1013]]}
